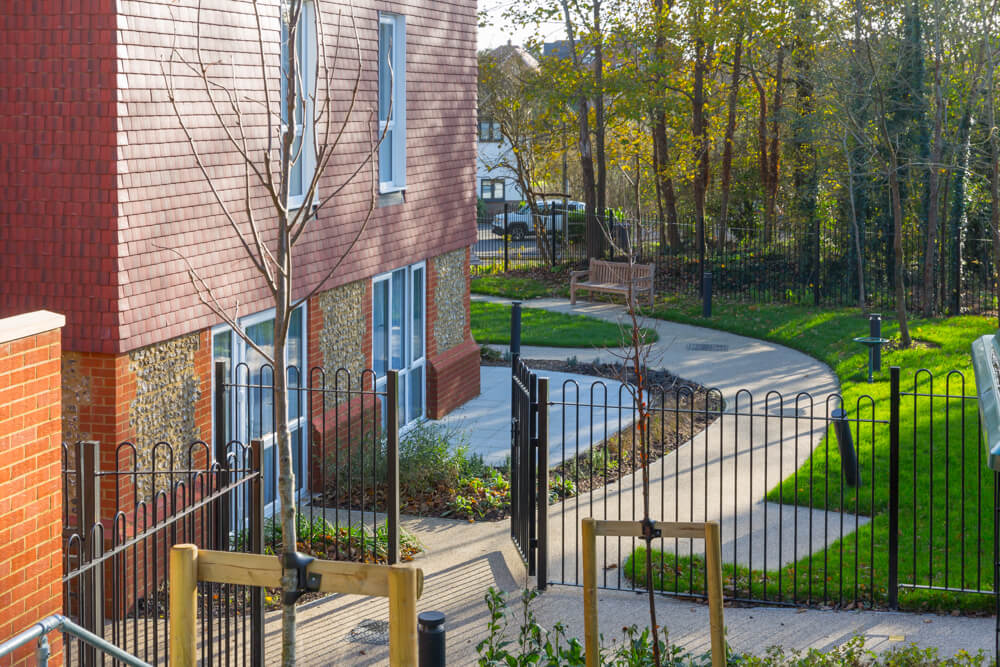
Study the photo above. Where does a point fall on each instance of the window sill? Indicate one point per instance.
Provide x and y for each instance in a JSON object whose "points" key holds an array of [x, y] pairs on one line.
{"points": [[391, 198]]}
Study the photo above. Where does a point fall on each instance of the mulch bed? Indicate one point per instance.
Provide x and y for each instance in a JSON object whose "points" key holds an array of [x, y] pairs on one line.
{"points": [[685, 407]]}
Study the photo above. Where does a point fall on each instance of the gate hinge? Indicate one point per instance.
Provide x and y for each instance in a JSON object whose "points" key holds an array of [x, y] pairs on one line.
{"points": [[534, 443], [649, 530], [533, 543]]}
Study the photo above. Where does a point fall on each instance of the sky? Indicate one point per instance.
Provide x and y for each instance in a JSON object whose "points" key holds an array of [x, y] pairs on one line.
{"points": [[499, 33]]}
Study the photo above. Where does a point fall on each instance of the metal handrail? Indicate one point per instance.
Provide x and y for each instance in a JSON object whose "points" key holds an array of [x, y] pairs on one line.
{"points": [[41, 630]]}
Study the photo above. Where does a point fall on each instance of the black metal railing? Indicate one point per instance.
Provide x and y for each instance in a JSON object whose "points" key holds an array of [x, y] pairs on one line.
{"points": [[860, 503], [121, 522], [344, 431], [795, 264]]}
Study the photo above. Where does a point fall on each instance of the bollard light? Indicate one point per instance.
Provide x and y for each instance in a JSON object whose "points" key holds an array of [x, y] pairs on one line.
{"points": [[430, 639], [845, 443]]}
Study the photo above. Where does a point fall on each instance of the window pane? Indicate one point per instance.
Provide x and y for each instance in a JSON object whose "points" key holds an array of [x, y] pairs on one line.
{"points": [[398, 322], [295, 178], [222, 350], [261, 401], [498, 190], [385, 70], [380, 332], [417, 329], [385, 159], [416, 394], [296, 365]]}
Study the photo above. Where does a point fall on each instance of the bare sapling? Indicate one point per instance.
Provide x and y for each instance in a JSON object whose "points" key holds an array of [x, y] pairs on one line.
{"points": [[267, 136]]}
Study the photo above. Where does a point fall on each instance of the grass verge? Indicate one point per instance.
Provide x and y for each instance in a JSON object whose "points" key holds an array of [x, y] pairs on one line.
{"points": [[491, 324]]}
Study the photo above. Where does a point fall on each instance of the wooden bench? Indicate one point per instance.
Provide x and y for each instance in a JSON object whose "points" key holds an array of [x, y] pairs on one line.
{"points": [[613, 278]]}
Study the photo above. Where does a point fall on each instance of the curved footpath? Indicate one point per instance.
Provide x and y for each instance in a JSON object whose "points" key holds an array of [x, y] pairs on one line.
{"points": [[462, 559]]}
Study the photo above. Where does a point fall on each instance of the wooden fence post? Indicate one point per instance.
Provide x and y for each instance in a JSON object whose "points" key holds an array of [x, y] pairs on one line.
{"points": [[591, 641], [183, 647], [402, 616], [713, 576]]}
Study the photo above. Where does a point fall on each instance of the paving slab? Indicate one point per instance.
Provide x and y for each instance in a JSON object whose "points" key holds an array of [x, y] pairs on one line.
{"points": [[485, 420]]}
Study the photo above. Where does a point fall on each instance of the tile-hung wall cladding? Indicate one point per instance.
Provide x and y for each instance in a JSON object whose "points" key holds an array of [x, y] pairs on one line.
{"points": [[449, 297], [167, 391], [342, 337], [399, 336]]}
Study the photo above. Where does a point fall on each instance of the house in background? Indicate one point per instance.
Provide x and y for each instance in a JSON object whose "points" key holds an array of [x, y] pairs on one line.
{"points": [[98, 185], [496, 183]]}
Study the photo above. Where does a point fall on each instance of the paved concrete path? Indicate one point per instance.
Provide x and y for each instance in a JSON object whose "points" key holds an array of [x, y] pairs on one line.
{"points": [[486, 420], [461, 559]]}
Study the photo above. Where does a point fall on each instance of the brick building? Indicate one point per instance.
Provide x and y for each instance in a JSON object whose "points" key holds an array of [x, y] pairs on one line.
{"points": [[99, 187]]}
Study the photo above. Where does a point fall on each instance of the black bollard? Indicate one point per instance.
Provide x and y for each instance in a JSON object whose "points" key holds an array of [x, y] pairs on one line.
{"points": [[848, 458], [706, 295], [515, 333], [875, 331], [430, 639]]}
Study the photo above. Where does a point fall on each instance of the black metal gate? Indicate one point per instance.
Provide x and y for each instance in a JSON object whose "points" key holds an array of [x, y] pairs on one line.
{"points": [[528, 455]]}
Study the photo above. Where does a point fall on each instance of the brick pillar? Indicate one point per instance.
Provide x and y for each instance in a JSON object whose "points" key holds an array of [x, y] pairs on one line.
{"points": [[31, 557]]}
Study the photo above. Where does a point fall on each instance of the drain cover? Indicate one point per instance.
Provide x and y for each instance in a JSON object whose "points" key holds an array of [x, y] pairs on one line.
{"points": [[370, 631], [707, 347]]}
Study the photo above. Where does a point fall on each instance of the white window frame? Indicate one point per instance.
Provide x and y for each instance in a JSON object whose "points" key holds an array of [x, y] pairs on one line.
{"points": [[410, 364], [493, 182], [307, 64], [396, 124], [238, 400]]}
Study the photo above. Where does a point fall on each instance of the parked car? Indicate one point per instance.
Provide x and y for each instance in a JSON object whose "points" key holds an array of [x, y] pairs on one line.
{"points": [[520, 225]]}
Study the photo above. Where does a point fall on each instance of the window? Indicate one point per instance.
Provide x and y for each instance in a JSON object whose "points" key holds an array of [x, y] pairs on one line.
{"points": [[249, 410], [492, 189], [392, 102], [489, 129], [398, 336], [303, 150]]}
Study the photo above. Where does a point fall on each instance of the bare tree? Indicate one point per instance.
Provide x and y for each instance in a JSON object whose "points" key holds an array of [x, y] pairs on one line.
{"points": [[257, 123]]}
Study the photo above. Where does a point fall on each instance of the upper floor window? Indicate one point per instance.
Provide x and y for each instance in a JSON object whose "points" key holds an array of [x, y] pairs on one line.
{"points": [[303, 156], [392, 102], [492, 189], [489, 129]]}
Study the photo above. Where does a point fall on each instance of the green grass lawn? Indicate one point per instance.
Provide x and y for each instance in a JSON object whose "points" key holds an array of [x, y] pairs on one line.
{"points": [[510, 287], [491, 324]]}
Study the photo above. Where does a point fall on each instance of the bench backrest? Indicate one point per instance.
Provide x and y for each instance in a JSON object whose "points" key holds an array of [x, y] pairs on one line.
{"points": [[602, 271]]}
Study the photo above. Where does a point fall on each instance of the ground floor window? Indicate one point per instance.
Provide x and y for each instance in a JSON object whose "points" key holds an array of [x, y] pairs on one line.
{"points": [[492, 189], [249, 410], [398, 336]]}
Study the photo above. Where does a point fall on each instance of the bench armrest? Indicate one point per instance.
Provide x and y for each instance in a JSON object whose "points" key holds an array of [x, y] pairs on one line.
{"points": [[573, 275]]}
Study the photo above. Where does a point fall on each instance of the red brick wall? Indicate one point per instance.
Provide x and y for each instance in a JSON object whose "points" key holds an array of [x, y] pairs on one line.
{"points": [[174, 208], [452, 379], [58, 232], [30, 488]]}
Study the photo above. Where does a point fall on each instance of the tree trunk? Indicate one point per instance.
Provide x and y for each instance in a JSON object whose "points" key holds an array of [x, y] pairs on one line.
{"points": [[599, 124], [958, 210], [594, 236], [994, 166], [897, 245], [934, 186], [666, 184], [774, 157], [699, 130], [727, 151]]}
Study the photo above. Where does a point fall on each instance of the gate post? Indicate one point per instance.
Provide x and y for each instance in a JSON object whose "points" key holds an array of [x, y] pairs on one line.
{"points": [[222, 524], [257, 547], [893, 587], [392, 466], [542, 553]]}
